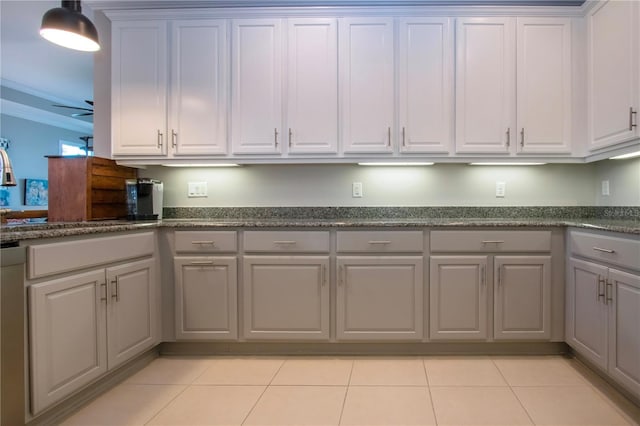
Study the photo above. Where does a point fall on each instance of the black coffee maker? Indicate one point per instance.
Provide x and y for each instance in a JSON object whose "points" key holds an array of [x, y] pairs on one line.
{"points": [[140, 204]]}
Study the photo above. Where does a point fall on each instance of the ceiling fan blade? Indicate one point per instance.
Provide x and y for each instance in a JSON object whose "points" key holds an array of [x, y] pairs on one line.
{"points": [[89, 102], [72, 107], [77, 114]]}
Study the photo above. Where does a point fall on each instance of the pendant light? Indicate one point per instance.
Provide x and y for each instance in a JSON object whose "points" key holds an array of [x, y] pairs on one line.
{"points": [[68, 27]]}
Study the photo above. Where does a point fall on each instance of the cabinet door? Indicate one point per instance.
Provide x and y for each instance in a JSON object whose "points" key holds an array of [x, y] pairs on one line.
{"points": [[286, 297], [426, 85], [206, 298], [312, 107], [587, 311], [68, 338], [485, 85], [379, 298], [624, 329], [366, 75], [458, 298], [256, 73], [544, 85], [131, 318], [613, 74], [522, 297], [139, 87], [198, 87]]}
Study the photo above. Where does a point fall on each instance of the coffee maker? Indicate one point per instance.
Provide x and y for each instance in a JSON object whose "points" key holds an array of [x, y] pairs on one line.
{"points": [[144, 199]]}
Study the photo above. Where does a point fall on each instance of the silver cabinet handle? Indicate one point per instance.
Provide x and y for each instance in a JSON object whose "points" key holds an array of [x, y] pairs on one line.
{"points": [[522, 137], [631, 114], [284, 242], [492, 242], [601, 281], [389, 135], [403, 137], [116, 294], [159, 139], [275, 136], [483, 278], [204, 242], [323, 276], [290, 135], [103, 285], [341, 275], [499, 276], [174, 138], [380, 242], [609, 298], [508, 137], [201, 262], [604, 250]]}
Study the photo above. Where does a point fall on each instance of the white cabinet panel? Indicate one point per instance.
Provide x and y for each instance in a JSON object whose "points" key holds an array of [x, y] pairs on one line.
{"points": [[367, 81], [286, 298], [131, 315], [614, 74], [312, 75], [206, 298], [522, 297], [458, 298], [485, 86], [256, 74], [68, 336], [199, 87], [139, 87], [425, 98], [544, 85], [380, 298], [624, 329]]}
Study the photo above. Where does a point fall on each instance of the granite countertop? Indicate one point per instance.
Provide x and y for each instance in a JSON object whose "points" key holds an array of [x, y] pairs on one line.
{"points": [[11, 233]]}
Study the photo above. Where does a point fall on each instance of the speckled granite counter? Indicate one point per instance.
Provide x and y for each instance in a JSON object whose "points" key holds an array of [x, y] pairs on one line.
{"points": [[28, 232]]}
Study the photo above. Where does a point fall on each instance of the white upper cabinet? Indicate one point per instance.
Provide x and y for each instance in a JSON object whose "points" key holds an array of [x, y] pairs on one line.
{"points": [[485, 86], [544, 85], [367, 84], [256, 93], [139, 87], [312, 77], [613, 72], [425, 97], [199, 86]]}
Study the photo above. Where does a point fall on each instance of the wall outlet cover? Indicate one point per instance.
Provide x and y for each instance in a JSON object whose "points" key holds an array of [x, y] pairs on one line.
{"points": [[501, 189], [197, 189], [605, 187], [356, 190]]}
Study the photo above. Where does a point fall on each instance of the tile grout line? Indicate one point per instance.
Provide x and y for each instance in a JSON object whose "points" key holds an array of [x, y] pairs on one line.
{"points": [[433, 407], [512, 391], [344, 400], [263, 392]]}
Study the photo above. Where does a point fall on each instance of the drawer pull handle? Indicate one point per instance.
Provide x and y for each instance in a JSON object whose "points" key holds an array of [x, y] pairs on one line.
{"points": [[380, 242], [285, 242], [210, 243], [492, 242], [201, 262], [604, 250]]}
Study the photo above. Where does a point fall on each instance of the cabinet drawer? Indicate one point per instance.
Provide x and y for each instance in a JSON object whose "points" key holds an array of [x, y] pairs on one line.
{"points": [[65, 256], [206, 241], [380, 241], [287, 241], [490, 241], [614, 250]]}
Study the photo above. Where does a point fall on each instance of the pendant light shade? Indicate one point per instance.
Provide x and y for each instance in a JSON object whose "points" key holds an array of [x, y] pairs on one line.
{"points": [[68, 27]]}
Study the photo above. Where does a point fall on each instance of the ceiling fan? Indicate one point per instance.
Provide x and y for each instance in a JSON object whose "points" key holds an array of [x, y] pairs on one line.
{"points": [[87, 111]]}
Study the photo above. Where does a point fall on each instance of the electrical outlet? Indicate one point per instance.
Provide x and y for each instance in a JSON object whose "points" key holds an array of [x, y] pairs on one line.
{"points": [[605, 187], [197, 189], [356, 190], [501, 189]]}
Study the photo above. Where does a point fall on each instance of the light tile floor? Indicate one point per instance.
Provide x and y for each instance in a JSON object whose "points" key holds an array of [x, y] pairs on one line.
{"points": [[455, 390]]}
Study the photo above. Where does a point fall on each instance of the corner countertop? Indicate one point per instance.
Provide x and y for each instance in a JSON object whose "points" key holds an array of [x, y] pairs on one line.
{"points": [[24, 232]]}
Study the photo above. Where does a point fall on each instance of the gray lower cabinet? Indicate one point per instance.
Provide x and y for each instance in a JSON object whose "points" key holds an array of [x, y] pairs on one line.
{"points": [[85, 324], [458, 298], [603, 319], [380, 298], [206, 306], [286, 297], [522, 298]]}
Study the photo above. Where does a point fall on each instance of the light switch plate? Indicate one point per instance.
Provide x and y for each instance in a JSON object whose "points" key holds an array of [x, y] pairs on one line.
{"points": [[356, 190], [605, 187], [197, 189]]}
